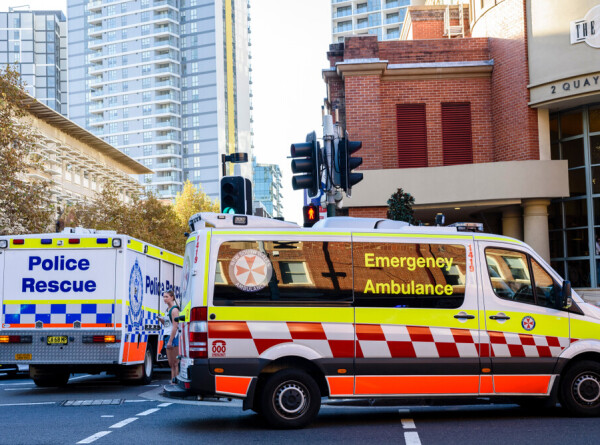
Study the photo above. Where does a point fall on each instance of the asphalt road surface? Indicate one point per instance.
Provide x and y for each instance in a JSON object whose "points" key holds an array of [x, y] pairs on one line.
{"points": [[101, 410]]}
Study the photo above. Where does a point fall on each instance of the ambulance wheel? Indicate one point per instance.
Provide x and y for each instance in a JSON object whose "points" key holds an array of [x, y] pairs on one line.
{"points": [[580, 389], [147, 367], [290, 399], [55, 380]]}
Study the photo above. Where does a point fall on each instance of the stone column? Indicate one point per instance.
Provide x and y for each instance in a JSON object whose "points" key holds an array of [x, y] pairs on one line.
{"points": [[535, 215], [512, 222]]}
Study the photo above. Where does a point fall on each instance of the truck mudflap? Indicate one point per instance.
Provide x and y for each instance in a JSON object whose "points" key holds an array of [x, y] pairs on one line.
{"points": [[63, 347]]}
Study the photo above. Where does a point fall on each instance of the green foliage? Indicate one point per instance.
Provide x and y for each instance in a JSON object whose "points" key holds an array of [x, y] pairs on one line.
{"points": [[25, 201], [400, 207]]}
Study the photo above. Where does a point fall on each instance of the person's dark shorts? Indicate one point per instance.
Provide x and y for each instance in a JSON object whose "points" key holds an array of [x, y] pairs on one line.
{"points": [[175, 340]]}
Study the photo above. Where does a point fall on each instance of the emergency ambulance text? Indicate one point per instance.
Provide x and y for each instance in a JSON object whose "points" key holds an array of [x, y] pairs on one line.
{"points": [[411, 263]]}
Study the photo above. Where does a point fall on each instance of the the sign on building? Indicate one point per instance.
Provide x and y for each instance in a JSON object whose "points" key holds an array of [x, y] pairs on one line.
{"points": [[587, 29]]}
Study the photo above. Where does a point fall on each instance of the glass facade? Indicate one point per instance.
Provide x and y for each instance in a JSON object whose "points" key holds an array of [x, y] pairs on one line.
{"points": [[575, 221], [149, 77], [35, 43], [383, 18], [267, 187]]}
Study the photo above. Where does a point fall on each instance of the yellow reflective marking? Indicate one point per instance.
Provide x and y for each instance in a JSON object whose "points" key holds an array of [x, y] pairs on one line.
{"points": [[414, 235], [36, 243], [416, 317], [190, 239], [494, 238], [307, 314], [153, 251], [186, 310], [172, 258], [583, 329], [206, 264], [278, 232], [544, 324], [61, 301], [153, 311], [135, 245]]}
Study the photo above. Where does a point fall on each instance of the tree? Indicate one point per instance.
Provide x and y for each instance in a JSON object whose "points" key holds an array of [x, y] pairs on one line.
{"points": [[400, 207], [25, 202], [192, 200], [149, 219]]}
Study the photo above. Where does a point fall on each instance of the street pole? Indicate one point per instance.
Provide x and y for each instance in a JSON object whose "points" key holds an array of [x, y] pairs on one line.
{"points": [[328, 139]]}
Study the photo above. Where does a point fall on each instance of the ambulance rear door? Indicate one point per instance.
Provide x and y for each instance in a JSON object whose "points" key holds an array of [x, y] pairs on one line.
{"points": [[526, 334], [417, 322]]}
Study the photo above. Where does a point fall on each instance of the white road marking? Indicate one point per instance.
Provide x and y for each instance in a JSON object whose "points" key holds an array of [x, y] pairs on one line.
{"points": [[408, 424], [11, 384], [135, 401], [164, 405], [27, 404], [148, 411], [21, 389], [412, 438], [95, 437], [122, 423], [107, 416]]}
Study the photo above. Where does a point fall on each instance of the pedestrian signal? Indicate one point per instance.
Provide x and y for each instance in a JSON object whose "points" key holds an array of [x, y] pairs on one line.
{"points": [[311, 215]]}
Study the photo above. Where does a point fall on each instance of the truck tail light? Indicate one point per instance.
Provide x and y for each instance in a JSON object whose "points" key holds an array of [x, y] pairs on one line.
{"points": [[100, 339], [16, 339], [198, 332]]}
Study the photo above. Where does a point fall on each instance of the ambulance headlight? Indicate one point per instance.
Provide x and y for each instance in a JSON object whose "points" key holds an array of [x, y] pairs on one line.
{"points": [[116, 242], [3, 244]]}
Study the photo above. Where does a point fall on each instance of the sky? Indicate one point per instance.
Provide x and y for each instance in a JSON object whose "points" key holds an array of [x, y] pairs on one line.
{"points": [[290, 39]]}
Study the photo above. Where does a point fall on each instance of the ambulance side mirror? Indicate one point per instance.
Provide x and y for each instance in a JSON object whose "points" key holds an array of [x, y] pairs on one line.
{"points": [[565, 301]]}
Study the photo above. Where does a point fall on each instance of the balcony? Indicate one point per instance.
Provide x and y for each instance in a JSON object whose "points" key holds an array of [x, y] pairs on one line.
{"points": [[174, 55], [167, 123], [170, 28], [94, 17], [170, 15], [172, 177], [168, 69], [165, 3], [167, 137], [172, 96], [169, 165], [167, 83], [168, 150], [343, 12], [166, 110], [94, 30], [93, 5]]}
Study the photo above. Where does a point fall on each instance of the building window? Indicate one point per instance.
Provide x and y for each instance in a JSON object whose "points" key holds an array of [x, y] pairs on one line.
{"points": [[412, 135], [344, 11], [361, 23], [456, 133], [574, 222], [344, 26], [392, 33]]}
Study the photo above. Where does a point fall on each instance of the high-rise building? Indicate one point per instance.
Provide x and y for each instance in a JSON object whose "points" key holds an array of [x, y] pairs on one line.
{"points": [[267, 187], [383, 18], [35, 43], [165, 81]]}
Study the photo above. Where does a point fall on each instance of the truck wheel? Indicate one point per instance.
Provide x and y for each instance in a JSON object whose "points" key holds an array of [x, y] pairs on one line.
{"points": [[147, 367], [290, 399], [580, 389], [55, 380]]}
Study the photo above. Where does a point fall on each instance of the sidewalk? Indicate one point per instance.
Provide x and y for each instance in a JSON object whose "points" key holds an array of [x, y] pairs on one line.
{"points": [[589, 295]]}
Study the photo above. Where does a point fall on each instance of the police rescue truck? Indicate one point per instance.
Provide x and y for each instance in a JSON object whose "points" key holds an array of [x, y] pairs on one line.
{"points": [[83, 301], [281, 316]]}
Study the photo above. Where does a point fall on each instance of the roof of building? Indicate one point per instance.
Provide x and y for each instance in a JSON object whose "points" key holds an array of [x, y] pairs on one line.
{"points": [[47, 114]]}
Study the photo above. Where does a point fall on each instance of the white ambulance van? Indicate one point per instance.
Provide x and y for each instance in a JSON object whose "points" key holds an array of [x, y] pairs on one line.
{"points": [[83, 301], [281, 316]]}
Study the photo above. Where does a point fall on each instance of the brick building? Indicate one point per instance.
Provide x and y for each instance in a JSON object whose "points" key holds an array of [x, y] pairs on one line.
{"points": [[469, 113]]}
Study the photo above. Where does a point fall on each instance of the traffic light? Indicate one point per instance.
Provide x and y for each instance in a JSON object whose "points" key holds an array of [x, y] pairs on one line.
{"points": [[311, 215], [347, 163], [309, 165], [236, 195]]}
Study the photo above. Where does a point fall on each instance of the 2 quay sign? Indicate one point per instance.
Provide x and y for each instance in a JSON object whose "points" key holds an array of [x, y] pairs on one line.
{"points": [[587, 29]]}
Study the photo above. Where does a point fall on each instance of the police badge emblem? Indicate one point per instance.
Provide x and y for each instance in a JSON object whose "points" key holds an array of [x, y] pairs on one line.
{"points": [[136, 295]]}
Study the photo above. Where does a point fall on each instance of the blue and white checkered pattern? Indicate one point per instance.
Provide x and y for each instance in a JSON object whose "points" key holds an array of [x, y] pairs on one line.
{"points": [[96, 313]]}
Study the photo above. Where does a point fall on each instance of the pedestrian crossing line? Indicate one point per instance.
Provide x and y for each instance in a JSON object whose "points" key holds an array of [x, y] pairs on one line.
{"points": [[164, 405], [412, 438], [95, 437], [408, 424]]}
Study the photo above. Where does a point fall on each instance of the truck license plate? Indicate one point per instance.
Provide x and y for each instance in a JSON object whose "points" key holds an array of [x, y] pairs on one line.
{"points": [[22, 356], [183, 366], [57, 340]]}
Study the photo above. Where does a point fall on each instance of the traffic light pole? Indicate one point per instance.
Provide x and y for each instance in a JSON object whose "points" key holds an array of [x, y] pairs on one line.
{"points": [[328, 140]]}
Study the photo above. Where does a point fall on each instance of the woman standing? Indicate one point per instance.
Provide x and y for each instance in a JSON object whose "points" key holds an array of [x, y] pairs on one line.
{"points": [[171, 338]]}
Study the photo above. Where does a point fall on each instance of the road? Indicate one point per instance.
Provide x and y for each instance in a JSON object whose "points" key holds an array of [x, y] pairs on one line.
{"points": [[101, 410]]}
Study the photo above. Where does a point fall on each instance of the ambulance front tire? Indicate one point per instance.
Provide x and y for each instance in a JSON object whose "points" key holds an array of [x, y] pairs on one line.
{"points": [[290, 399], [580, 389]]}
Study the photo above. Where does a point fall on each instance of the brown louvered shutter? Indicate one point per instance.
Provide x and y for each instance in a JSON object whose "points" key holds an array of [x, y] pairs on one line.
{"points": [[412, 135], [456, 133]]}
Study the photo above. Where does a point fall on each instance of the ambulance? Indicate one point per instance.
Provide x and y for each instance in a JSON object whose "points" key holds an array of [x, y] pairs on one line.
{"points": [[83, 301], [361, 308]]}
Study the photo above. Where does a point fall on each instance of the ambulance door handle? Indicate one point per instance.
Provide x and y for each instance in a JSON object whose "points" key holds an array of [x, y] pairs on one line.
{"points": [[464, 316], [500, 316]]}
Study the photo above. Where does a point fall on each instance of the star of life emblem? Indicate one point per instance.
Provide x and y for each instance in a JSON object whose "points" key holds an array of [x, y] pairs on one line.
{"points": [[528, 323], [250, 270], [136, 295]]}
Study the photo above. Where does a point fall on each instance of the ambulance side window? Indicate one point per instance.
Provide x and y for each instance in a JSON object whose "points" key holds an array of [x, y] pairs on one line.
{"points": [[283, 273], [546, 289], [509, 274], [409, 275]]}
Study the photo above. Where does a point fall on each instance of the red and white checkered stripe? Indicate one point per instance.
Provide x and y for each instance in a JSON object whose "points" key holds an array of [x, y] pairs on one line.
{"points": [[336, 340]]}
